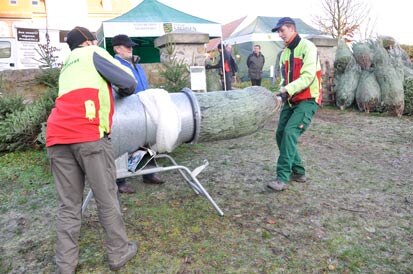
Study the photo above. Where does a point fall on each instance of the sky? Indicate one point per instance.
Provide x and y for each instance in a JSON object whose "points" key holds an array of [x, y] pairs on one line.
{"points": [[394, 18]]}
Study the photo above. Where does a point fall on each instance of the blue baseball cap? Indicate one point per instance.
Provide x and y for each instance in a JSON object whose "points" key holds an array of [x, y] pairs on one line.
{"points": [[282, 22]]}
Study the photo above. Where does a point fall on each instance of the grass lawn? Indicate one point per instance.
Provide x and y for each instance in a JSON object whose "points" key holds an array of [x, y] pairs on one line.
{"points": [[354, 216]]}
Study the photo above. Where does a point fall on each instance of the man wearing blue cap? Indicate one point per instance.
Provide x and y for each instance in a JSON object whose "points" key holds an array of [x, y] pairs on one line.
{"points": [[300, 73]]}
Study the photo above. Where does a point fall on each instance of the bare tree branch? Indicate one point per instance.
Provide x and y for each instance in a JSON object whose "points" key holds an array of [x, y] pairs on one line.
{"points": [[341, 17]]}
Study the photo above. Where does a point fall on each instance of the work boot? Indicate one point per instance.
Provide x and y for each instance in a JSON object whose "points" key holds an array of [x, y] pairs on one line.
{"points": [[299, 178], [152, 179], [126, 188], [132, 250], [277, 185]]}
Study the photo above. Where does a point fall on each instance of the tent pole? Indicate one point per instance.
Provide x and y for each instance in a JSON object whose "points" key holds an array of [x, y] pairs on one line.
{"points": [[223, 64]]}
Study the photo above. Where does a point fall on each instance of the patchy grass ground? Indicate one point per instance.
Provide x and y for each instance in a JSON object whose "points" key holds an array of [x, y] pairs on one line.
{"points": [[355, 216]]}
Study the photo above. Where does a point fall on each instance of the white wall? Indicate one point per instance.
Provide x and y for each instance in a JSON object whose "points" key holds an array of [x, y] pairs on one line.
{"points": [[66, 15]]}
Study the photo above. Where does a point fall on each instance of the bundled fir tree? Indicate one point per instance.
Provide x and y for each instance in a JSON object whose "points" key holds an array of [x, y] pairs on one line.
{"points": [[342, 58], [345, 84], [368, 96], [390, 81], [384, 68], [363, 53]]}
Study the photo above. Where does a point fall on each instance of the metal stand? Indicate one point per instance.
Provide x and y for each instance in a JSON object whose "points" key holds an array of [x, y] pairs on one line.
{"points": [[189, 176]]}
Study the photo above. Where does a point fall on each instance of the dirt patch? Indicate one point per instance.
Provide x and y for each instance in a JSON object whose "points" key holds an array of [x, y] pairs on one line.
{"points": [[354, 216]]}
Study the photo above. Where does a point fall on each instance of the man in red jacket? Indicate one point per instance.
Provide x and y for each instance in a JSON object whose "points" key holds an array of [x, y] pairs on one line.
{"points": [[79, 147]]}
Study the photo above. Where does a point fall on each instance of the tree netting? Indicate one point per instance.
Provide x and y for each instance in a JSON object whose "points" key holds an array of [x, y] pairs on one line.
{"points": [[345, 84], [342, 58], [368, 96], [387, 42], [398, 52], [390, 81], [408, 72], [363, 54], [386, 76]]}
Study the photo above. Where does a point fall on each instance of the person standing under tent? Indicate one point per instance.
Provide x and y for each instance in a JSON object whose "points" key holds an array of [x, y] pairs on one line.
{"points": [[227, 69], [255, 63]]}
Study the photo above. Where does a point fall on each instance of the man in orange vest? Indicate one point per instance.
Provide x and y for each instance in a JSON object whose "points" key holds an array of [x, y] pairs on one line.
{"points": [[79, 147]]}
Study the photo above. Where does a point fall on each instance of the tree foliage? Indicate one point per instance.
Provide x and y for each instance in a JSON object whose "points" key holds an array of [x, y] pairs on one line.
{"points": [[8, 104], [20, 129], [175, 72]]}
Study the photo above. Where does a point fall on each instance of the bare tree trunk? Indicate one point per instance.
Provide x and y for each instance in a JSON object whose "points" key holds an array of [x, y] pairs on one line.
{"points": [[235, 113]]}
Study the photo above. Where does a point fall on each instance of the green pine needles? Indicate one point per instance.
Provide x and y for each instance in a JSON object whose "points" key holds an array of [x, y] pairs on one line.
{"points": [[21, 128]]}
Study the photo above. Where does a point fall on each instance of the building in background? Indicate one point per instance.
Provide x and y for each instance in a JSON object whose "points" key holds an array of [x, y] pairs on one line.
{"points": [[29, 27], [57, 14]]}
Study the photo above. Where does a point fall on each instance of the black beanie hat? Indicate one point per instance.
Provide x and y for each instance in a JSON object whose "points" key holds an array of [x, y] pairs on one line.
{"points": [[123, 40], [77, 36]]}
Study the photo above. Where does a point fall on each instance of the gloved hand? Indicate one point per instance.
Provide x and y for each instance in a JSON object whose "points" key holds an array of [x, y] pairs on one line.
{"points": [[207, 66], [123, 92], [283, 93]]}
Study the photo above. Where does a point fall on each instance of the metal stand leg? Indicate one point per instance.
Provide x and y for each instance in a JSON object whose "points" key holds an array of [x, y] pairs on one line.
{"points": [[89, 196], [190, 177]]}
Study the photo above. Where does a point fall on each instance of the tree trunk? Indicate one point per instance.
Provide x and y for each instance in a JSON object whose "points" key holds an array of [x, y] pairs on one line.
{"points": [[235, 113]]}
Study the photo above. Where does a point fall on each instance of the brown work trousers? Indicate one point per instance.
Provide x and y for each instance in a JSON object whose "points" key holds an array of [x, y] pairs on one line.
{"points": [[71, 165]]}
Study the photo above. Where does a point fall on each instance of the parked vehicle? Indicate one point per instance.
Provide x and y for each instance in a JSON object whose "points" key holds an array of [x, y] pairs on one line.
{"points": [[29, 47]]}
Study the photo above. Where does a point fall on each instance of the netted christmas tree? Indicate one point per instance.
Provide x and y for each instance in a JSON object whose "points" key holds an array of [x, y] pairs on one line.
{"points": [[363, 53], [368, 95], [385, 81], [342, 58], [390, 81], [345, 84]]}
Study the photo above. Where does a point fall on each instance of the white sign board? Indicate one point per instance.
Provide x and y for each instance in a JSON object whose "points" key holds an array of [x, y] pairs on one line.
{"points": [[198, 78]]}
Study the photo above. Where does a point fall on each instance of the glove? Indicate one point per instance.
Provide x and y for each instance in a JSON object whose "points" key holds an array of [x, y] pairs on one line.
{"points": [[283, 93], [123, 92], [207, 66]]}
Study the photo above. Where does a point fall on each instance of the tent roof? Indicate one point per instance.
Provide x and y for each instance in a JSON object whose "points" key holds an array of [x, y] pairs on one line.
{"points": [[256, 28], [263, 24], [227, 30], [153, 19], [154, 11]]}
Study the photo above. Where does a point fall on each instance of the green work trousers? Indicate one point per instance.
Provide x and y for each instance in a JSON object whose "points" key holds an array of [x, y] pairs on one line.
{"points": [[294, 120], [71, 165]]}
